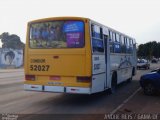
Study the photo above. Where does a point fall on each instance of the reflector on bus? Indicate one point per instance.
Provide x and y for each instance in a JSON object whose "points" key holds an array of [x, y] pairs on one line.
{"points": [[30, 77]]}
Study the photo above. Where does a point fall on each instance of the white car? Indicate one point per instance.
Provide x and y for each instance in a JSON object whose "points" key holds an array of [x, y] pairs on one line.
{"points": [[143, 63]]}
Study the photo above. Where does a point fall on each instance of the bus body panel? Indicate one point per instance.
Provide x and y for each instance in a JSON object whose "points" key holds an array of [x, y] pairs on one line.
{"points": [[123, 64], [98, 82], [74, 65], [77, 70], [65, 64], [99, 66], [98, 73]]}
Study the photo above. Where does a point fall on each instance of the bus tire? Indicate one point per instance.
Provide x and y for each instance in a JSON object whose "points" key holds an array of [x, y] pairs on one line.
{"points": [[133, 73], [113, 83], [129, 80]]}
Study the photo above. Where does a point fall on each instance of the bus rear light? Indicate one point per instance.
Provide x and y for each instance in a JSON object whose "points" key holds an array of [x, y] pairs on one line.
{"points": [[34, 87], [84, 79], [30, 77], [73, 89], [55, 57], [55, 77]]}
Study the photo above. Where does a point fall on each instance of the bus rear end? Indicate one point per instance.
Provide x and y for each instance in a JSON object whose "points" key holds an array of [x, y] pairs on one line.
{"points": [[58, 55]]}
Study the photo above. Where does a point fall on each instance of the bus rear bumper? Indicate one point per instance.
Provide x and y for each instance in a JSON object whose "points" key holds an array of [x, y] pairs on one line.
{"points": [[59, 89]]}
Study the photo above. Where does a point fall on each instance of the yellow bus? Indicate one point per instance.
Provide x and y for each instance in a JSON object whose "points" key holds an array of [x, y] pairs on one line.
{"points": [[76, 55]]}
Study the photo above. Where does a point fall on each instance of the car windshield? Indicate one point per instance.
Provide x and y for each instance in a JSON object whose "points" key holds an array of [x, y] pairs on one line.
{"points": [[142, 61], [57, 34]]}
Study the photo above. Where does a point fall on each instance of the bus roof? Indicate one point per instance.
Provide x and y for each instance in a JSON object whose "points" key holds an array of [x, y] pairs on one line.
{"points": [[59, 18]]}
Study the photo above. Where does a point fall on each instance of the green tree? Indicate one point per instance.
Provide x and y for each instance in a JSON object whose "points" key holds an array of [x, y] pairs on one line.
{"points": [[11, 41], [149, 50]]}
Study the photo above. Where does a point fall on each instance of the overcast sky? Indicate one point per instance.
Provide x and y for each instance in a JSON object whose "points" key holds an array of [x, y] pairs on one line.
{"points": [[137, 18]]}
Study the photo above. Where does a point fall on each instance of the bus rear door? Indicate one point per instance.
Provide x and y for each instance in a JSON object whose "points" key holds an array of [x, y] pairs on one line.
{"points": [[98, 59]]}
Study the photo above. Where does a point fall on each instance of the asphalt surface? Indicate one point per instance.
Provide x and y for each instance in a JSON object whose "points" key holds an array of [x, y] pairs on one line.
{"points": [[26, 105]]}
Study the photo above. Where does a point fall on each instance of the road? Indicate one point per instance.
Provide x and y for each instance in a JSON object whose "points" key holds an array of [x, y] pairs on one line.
{"points": [[128, 98]]}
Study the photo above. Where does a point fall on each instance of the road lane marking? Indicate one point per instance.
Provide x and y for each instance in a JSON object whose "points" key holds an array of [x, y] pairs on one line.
{"points": [[125, 101]]}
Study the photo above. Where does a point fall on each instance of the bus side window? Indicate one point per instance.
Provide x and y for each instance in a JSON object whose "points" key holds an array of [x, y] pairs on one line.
{"points": [[127, 45], [97, 42], [120, 37], [101, 33], [95, 31], [110, 35], [113, 36], [92, 30], [113, 42], [117, 48], [123, 46], [117, 37], [111, 45], [131, 46]]}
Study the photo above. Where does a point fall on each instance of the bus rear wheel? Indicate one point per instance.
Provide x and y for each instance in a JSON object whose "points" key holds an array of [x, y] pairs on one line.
{"points": [[113, 84], [133, 73]]}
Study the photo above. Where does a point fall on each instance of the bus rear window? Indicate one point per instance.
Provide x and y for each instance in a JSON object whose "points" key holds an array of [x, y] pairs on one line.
{"points": [[57, 34]]}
